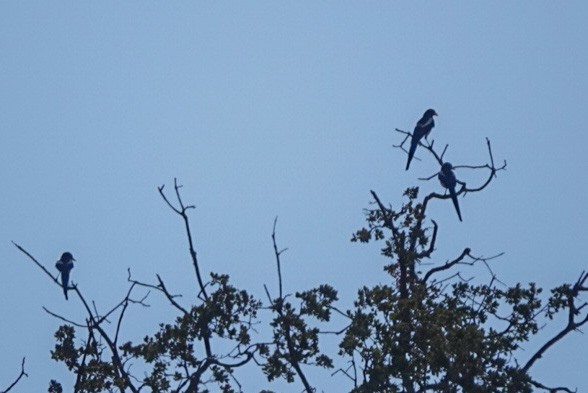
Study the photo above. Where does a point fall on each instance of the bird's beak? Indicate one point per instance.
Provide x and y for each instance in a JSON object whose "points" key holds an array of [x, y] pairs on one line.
{"points": [[73, 259], [436, 114]]}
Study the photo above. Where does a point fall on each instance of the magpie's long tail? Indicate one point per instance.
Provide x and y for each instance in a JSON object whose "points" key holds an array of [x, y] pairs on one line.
{"points": [[65, 283], [413, 147], [455, 203]]}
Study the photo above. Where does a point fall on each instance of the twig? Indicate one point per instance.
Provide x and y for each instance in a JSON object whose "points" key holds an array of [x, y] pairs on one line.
{"points": [[277, 254], [54, 278], [64, 319], [22, 374]]}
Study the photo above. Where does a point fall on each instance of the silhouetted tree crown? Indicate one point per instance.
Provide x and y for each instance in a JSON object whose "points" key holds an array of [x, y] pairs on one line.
{"points": [[424, 329]]}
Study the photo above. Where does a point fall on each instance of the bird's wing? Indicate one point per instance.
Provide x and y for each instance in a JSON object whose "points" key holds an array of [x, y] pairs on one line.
{"points": [[426, 123], [443, 179]]}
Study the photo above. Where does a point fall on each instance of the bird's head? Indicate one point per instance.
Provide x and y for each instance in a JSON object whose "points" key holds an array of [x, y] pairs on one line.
{"points": [[446, 167], [67, 257], [430, 113]]}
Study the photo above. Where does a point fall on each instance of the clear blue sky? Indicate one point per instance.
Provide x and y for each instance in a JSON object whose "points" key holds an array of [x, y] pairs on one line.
{"points": [[266, 109]]}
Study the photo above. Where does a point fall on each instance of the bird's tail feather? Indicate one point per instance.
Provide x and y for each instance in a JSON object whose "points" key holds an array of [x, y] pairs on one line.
{"points": [[65, 283], [455, 203], [413, 147]]}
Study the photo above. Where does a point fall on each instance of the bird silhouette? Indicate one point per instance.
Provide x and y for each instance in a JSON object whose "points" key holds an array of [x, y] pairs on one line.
{"points": [[448, 180], [422, 129], [64, 265]]}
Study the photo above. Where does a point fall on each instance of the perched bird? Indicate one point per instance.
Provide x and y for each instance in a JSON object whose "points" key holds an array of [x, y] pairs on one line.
{"points": [[448, 180], [64, 265], [422, 129]]}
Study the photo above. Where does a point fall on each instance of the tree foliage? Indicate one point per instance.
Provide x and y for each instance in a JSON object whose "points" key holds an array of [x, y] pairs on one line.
{"points": [[426, 329]]}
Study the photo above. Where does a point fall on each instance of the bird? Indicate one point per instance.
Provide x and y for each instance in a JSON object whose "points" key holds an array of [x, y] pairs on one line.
{"points": [[64, 265], [448, 180], [422, 129]]}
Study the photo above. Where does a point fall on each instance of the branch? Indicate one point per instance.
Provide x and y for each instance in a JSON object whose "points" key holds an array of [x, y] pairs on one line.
{"points": [[464, 189], [277, 254], [64, 319], [387, 219], [205, 337], [429, 251], [447, 265], [286, 324], [182, 212], [571, 325], [117, 362], [428, 146], [161, 288], [170, 297], [22, 373], [551, 390], [54, 278], [81, 369], [123, 303]]}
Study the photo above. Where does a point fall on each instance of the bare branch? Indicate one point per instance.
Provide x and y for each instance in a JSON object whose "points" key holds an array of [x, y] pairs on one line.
{"points": [[54, 278], [170, 297], [22, 374], [184, 215], [277, 254], [64, 319], [160, 189], [385, 213]]}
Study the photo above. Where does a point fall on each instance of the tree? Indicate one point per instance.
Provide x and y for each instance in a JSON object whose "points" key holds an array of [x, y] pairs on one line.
{"points": [[426, 330]]}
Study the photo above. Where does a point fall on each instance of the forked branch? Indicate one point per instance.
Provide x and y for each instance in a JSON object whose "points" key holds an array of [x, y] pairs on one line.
{"points": [[22, 374], [182, 212]]}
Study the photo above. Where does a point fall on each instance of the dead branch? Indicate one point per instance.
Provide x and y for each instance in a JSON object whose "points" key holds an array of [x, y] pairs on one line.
{"points": [[277, 254], [182, 212]]}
